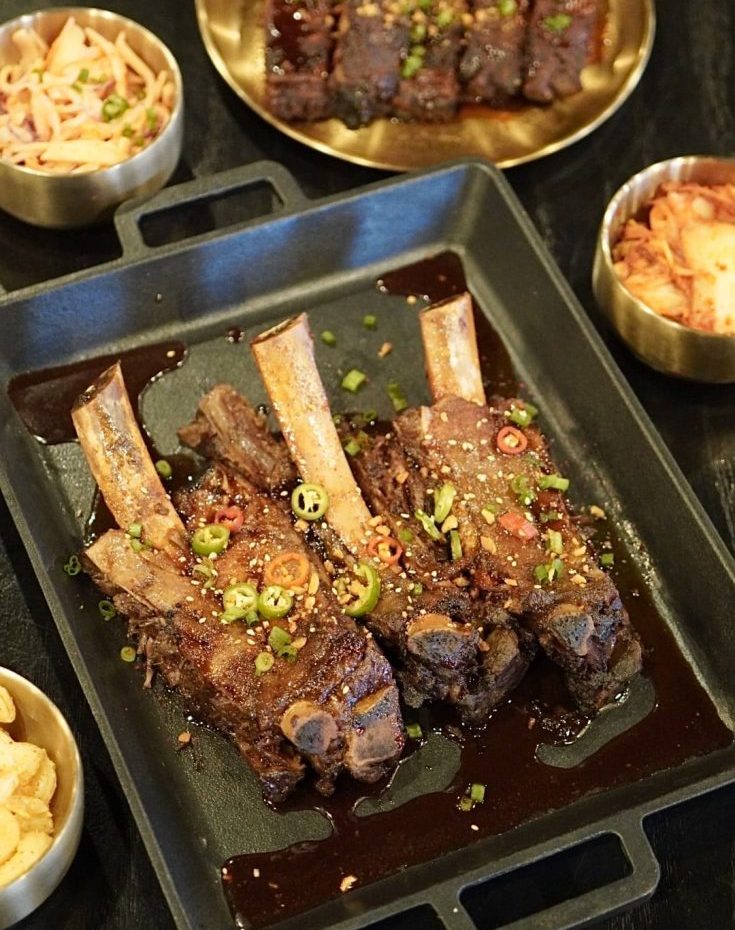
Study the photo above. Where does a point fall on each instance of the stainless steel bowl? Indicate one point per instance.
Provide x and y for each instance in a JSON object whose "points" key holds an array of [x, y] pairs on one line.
{"points": [[40, 721], [664, 344], [66, 201]]}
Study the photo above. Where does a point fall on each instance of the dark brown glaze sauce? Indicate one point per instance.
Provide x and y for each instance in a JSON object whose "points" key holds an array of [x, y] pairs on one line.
{"points": [[266, 887], [44, 398]]}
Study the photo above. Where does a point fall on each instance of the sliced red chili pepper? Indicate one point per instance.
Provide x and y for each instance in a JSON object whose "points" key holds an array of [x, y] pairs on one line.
{"points": [[231, 517], [511, 441], [387, 549], [517, 525], [289, 570]]}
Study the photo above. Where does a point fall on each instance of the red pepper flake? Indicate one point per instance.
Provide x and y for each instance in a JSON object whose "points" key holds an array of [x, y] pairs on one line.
{"points": [[231, 517]]}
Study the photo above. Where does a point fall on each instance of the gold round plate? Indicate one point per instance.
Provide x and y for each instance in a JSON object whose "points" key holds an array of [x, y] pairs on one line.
{"points": [[234, 34]]}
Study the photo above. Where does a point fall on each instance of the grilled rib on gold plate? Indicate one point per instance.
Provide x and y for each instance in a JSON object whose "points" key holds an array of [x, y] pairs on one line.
{"points": [[233, 34]]}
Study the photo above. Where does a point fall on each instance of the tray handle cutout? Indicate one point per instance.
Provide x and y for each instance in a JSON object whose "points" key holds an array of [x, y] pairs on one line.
{"points": [[225, 200], [564, 890]]}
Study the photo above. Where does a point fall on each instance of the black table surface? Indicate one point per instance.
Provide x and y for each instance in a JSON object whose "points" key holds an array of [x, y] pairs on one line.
{"points": [[684, 104]]}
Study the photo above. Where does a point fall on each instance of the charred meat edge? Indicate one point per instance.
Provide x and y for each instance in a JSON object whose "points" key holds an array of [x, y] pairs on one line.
{"points": [[350, 721]]}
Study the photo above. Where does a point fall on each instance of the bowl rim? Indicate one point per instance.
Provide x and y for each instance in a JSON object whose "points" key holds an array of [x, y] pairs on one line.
{"points": [[124, 21], [77, 795], [611, 213]]}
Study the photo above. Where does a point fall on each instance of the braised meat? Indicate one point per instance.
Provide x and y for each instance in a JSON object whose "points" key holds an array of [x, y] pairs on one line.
{"points": [[560, 36], [304, 686], [493, 59], [442, 641], [516, 541], [297, 58]]}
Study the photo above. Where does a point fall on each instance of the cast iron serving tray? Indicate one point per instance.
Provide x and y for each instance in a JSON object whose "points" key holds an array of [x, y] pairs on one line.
{"points": [[211, 291]]}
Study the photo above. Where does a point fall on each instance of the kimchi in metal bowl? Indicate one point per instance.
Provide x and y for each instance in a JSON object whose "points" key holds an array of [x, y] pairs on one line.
{"points": [[661, 342]]}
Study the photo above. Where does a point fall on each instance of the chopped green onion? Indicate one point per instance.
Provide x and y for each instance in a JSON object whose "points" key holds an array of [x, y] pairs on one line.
{"points": [[328, 338], [274, 602], [477, 793], [547, 573], [370, 591], [444, 18], [466, 804], [352, 446], [353, 380], [151, 118], [413, 64], [164, 468], [554, 542], [309, 501], [555, 482], [550, 516], [107, 609], [443, 501], [127, 132], [136, 545], [370, 321], [556, 569], [397, 396], [414, 730], [507, 7], [523, 490], [135, 530], [207, 570], [607, 559], [541, 573], [83, 76], [405, 536], [416, 588], [557, 23], [365, 418], [455, 545], [429, 525], [113, 107], [128, 654], [211, 539], [523, 416], [418, 32], [73, 566], [263, 662], [279, 639]]}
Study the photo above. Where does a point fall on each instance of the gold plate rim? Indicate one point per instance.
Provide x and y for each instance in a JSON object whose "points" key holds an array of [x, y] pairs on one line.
{"points": [[638, 51]]}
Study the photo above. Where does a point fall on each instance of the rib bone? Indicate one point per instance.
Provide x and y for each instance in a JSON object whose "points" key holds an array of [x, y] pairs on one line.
{"points": [[121, 465], [450, 350], [285, 357]]}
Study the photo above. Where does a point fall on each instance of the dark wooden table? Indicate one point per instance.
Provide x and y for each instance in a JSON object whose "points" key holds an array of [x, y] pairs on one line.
{"points": [[684, 104]]}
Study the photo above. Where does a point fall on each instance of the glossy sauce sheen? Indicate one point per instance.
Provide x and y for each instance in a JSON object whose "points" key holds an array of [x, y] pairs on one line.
{"points": [[683, 724]]}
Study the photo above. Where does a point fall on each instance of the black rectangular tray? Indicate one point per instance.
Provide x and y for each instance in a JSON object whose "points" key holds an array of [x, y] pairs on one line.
{"points": [[196, 809]]}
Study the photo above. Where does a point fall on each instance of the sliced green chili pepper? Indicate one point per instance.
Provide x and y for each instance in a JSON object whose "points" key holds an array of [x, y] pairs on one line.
{"points": [[455, 545], [427, 522], [127, 654], [210, 540], [240, 602], [443, 501], [555, 482], [309, 501], [107, 609], [114, 106], [466, 804], [274, 602], [523, 490], [73, 566], [414, 730], [353, 380], [263, 662], [370, 593]]}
